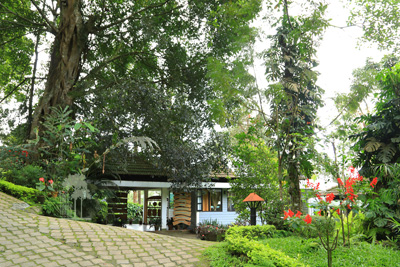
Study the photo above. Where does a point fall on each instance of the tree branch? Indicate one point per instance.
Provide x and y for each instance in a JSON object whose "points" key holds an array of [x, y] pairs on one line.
{"points": [[117, 22], [286, 10], [21, 17], [45, 18], [15, 88], [12, 39]]}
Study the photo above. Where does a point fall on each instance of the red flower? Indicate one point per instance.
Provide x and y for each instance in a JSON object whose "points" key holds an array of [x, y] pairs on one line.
{"points": [[290, 213], [298, 214], [50, 181], [348, 206], [374, 182], [319, 213], [308, 219], [338, 211], [340, 182], [41, 179], [330, 197], [286, 215]]}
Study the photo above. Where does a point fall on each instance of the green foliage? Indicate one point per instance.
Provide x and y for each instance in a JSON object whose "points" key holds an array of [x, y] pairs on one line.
{"points": [[100, 212], [52, 207], [243, 242], [378, 151], [354, 222], [253, 232], [18, 191], [211, 230], [379, 20], [257, 172], [362, 254], [218, 256], [28, 175], [135, 211]]}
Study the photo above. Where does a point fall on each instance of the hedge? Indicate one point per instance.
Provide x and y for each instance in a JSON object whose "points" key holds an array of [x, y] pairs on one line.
{"points": [[242, 240], [18, 191]]}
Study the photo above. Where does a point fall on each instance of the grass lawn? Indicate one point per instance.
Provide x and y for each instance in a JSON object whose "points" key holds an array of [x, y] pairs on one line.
{"points": [[310, 253], [360, 255]]}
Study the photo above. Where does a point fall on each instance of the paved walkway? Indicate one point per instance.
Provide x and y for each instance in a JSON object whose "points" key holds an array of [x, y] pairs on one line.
{"points": [[31, 240]]}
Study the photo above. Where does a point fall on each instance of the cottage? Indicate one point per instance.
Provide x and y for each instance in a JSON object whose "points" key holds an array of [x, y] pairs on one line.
{"points": [[211, 202]]}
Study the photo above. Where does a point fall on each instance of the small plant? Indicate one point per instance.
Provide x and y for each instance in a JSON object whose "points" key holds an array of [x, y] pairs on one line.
{"points": [[211, 230], [43, 185], [156, 223]]}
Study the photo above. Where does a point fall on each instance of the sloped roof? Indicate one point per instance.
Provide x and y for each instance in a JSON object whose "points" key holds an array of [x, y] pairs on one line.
{"points": [[137, 166]]}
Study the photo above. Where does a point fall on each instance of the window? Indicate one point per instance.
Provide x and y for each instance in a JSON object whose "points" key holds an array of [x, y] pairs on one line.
{"points": [[209, 200], [231, 207]]}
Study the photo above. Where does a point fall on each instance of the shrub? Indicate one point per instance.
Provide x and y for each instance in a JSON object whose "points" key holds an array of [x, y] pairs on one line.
{"points": [[57, 207], [239, 243], [52, 207], [211, 230], [252, 232], [135, 211], [100, 213], [28, 176], [20, 192]]}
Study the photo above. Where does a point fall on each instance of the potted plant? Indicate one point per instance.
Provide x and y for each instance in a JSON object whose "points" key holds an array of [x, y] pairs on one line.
{"points": [[156, 222], [170, 223]]}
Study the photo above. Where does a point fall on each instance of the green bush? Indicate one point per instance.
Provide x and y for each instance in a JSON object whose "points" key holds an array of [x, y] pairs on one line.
{"points": [[135, 211], [242, 241], [101, 212], [252, 232], [257, 253], [20, 192], [218, 256], [57, 207], [52, 207], [27, 176]]}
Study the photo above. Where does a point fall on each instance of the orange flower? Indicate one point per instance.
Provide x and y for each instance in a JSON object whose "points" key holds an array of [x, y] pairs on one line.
{"points": [[298, 214], [41, 179], [340, 182]]}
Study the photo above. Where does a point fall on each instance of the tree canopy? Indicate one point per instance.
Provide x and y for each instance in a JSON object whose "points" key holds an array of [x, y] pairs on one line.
{"points": [[131, 67]]}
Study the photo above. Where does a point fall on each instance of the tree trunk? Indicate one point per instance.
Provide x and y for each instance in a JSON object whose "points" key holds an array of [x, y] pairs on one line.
{"points": [[294, 182], [65, 63]]}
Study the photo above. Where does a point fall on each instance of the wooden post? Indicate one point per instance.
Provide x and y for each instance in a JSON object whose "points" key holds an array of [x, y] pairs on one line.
{"points": [[146, 193]]}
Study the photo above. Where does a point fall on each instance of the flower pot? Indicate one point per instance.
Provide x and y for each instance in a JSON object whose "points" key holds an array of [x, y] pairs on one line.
{"points": [[54, 194], [170, 227]]}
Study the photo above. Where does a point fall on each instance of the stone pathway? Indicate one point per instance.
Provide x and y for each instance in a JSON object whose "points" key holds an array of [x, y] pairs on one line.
{"points": [[31, 240]]}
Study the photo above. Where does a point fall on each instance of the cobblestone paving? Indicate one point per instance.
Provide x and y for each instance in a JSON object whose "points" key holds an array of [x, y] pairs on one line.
{"points": [[31, 240]]}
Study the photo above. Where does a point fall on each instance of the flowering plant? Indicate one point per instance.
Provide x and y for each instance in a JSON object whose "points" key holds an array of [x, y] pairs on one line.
{"points": [[347, 198], [42, 184], [210, 232]]}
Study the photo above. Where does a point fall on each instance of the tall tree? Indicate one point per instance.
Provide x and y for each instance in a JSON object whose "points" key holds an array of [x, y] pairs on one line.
{"points": [[101, 41], [377, 148], [139, 67], [296, 97]]}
